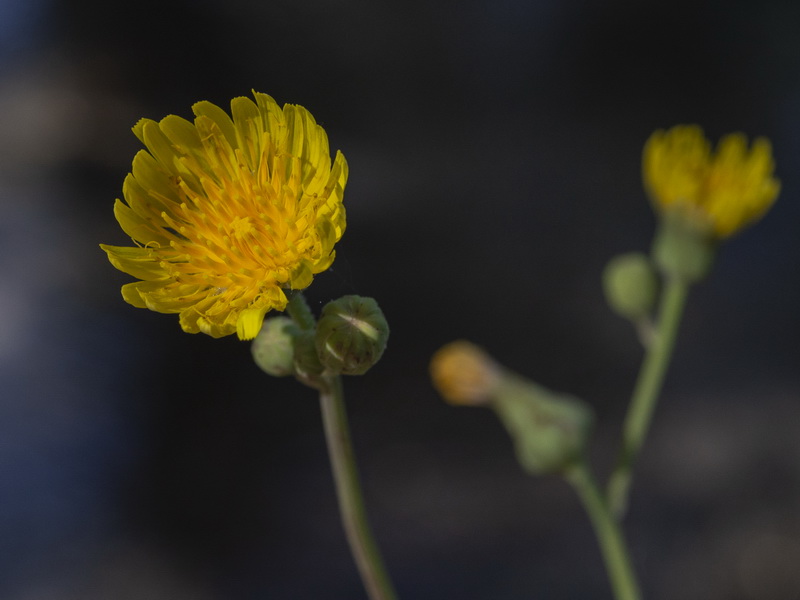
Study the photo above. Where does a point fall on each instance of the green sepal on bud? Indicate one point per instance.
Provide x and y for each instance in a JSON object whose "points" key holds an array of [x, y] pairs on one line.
{"points": [[631, 285], [550, 430], [273, 347], [351, 335], [682, 251]]}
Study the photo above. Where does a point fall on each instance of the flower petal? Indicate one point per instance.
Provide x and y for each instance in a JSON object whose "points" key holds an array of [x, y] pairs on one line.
{"points": [[249, 323], [218, 116], [138, 227], [138, 262]]}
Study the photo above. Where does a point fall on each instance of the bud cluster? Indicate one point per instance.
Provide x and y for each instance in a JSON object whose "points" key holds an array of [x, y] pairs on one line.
{"points": [[348, 339]]}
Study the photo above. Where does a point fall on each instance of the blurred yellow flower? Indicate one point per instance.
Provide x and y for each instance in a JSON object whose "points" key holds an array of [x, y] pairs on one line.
{"points": [[718, 193], [463, 373], [228, 213]]}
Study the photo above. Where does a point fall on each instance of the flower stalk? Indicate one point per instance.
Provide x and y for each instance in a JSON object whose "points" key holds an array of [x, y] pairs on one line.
{"points": [[297, 308], [348, 490], [646, 392], [343, 464], [609, 535]]}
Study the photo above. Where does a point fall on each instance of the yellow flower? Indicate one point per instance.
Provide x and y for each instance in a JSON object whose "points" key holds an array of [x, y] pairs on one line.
{"points": [[717, 193], [227, 214], [463, 373]]}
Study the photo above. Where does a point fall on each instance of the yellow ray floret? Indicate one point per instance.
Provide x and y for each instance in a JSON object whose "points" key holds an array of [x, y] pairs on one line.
{"points": [[718, 192], [228, 212]]}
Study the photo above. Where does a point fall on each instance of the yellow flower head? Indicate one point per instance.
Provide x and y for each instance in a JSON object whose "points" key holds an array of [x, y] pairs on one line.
{"points": [[718, 193], [463, 373], [227, 213]]}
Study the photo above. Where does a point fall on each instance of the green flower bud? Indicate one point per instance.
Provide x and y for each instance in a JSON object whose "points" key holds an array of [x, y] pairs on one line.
{"points": [[550, 430], [683, 252], [273, 347], [351, 335], [631, 285]]}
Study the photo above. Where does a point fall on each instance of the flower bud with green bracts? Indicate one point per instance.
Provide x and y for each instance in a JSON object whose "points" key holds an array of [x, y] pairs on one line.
{"points": [[549, 430], [351, 335], [273, 347], [631, 284]]}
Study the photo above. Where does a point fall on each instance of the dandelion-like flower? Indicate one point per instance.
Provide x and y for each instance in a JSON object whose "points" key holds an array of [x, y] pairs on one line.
{"points": [[718, 193], [228, 213]]}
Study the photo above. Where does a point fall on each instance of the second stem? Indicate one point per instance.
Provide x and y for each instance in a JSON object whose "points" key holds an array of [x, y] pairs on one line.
{"points": [[646, 392], [609, 535]]}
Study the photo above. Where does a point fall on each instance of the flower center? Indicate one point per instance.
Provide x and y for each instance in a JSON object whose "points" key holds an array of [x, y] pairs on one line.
{"points": [[241, 226]]}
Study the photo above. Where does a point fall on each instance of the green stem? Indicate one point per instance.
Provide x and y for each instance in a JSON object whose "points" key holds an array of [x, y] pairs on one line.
{"points": [[646, 392], [348, 489], [299, 311], [608, 532]]}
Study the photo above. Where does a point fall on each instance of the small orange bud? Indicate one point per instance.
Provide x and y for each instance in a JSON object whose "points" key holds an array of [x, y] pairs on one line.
{"points": [[463, 373]]}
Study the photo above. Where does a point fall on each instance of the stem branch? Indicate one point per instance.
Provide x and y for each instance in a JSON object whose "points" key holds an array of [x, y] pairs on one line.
{"points": [[608, 533]]}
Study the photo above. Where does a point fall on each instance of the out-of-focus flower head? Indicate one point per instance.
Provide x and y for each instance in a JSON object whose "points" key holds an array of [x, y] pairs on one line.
{"points": [[464, 374], [717, 193]]}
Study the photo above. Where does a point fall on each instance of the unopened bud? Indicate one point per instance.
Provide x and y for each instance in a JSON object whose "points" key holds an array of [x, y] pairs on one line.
{"points": [[463, 373], [351, 335], [550, 430], [631, 285], [273, 347]]}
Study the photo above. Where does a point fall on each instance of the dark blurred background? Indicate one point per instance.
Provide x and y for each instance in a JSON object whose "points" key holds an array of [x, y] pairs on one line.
{"points": [[494, 150]]}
